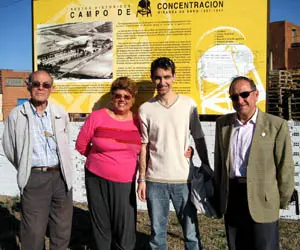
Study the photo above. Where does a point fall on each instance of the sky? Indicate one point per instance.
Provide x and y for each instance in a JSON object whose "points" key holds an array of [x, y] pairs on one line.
{"points": [[16, 29]]}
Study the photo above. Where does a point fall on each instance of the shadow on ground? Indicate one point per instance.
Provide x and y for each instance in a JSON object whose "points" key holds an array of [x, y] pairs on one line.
{"points": [[9, 229], [81, 237]]}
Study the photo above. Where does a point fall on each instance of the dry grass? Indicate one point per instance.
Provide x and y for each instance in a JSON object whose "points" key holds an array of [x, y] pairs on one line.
{"points": [[212, 231]]}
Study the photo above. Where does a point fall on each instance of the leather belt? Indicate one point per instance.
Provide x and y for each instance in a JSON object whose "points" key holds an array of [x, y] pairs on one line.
{"points": [[54, 168], [239, 180]]}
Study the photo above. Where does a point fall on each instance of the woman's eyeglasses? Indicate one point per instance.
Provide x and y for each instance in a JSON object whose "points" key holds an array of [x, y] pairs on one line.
{"points": [[119, 96], [36, 84], [244, 95]]}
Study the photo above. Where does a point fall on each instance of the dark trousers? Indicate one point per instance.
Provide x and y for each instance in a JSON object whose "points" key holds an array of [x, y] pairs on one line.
{"points": [[112, 207], [242, 232], [46, 201]]}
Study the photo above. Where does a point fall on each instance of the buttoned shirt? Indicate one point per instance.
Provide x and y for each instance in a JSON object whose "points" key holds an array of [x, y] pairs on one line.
{"points": [[44, 142], [241, 139]]}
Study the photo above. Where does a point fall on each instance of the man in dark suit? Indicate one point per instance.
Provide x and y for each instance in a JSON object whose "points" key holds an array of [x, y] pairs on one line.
{"points": [[254, 170]]}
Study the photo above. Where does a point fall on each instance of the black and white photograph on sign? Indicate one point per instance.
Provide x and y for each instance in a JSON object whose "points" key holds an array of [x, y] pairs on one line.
{"points": [[76, 51]]}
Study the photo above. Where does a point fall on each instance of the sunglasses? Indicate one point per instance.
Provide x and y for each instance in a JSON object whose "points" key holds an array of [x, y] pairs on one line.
{"points": [[36, 84], [119, 96], [244, 95]]}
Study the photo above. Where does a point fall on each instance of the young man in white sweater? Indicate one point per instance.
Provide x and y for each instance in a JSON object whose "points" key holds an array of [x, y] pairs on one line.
{"points": [[167, 120]]}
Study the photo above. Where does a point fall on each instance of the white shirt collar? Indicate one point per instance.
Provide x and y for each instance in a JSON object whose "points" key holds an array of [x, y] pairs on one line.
{"points": [[46, 111], [252, 120]]}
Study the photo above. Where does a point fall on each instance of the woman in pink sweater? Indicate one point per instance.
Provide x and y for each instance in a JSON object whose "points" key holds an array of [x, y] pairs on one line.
{"points": [[110, 140]]}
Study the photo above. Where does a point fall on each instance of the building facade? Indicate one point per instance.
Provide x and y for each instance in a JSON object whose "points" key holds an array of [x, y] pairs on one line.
{"points": [[13, 90], [284, 46]]}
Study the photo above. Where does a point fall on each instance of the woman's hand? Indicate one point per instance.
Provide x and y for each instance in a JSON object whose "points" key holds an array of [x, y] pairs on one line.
{"points": [[189, 153]]}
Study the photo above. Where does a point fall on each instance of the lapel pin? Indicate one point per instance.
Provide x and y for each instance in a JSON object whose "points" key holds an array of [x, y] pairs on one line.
{"points": [[263, 134]]}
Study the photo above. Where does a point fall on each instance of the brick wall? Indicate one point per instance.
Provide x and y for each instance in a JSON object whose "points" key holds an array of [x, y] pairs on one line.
{"points": [[12, 93], [294, 58], [277, 44], [283, 35]]}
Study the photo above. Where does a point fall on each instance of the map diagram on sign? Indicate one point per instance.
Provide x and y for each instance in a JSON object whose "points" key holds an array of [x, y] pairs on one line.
{"points": [[222, 54]]}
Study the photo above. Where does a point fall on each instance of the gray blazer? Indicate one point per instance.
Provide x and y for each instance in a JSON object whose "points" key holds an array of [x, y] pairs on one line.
{"points": [[270, 172], [18, 141]]}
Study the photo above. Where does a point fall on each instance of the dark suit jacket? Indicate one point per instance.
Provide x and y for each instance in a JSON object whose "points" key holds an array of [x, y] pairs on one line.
{"points": [[270, 171]]}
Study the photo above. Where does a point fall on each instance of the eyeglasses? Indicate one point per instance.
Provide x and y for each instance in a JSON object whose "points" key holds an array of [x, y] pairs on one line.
{"points": [[244, 95], [36, 84], [119, 96]]}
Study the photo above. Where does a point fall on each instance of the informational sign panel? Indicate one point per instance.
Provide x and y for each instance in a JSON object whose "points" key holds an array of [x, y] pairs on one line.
{"points": [[85, 44], [14, 81]]}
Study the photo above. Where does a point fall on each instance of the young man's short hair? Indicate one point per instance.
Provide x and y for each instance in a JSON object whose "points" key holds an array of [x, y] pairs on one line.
{"points": [[162, 63]]}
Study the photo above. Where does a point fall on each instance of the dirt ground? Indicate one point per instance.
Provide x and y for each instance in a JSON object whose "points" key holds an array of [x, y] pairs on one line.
{"points": [[212, 230]]}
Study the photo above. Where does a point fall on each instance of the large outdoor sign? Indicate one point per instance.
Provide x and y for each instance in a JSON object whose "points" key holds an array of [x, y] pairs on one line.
{"points": [[85, 44]]}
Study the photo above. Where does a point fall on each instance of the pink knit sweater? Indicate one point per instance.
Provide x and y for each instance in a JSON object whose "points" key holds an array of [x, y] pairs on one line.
{"points": [[111, 146]]}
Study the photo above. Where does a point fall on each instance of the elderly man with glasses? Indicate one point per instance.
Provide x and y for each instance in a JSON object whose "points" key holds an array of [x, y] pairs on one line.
{"points": [[254, 170], [35, 141]]}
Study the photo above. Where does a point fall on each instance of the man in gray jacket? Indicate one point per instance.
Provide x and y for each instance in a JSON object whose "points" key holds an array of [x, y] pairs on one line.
{"points": [[36, 142]]}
